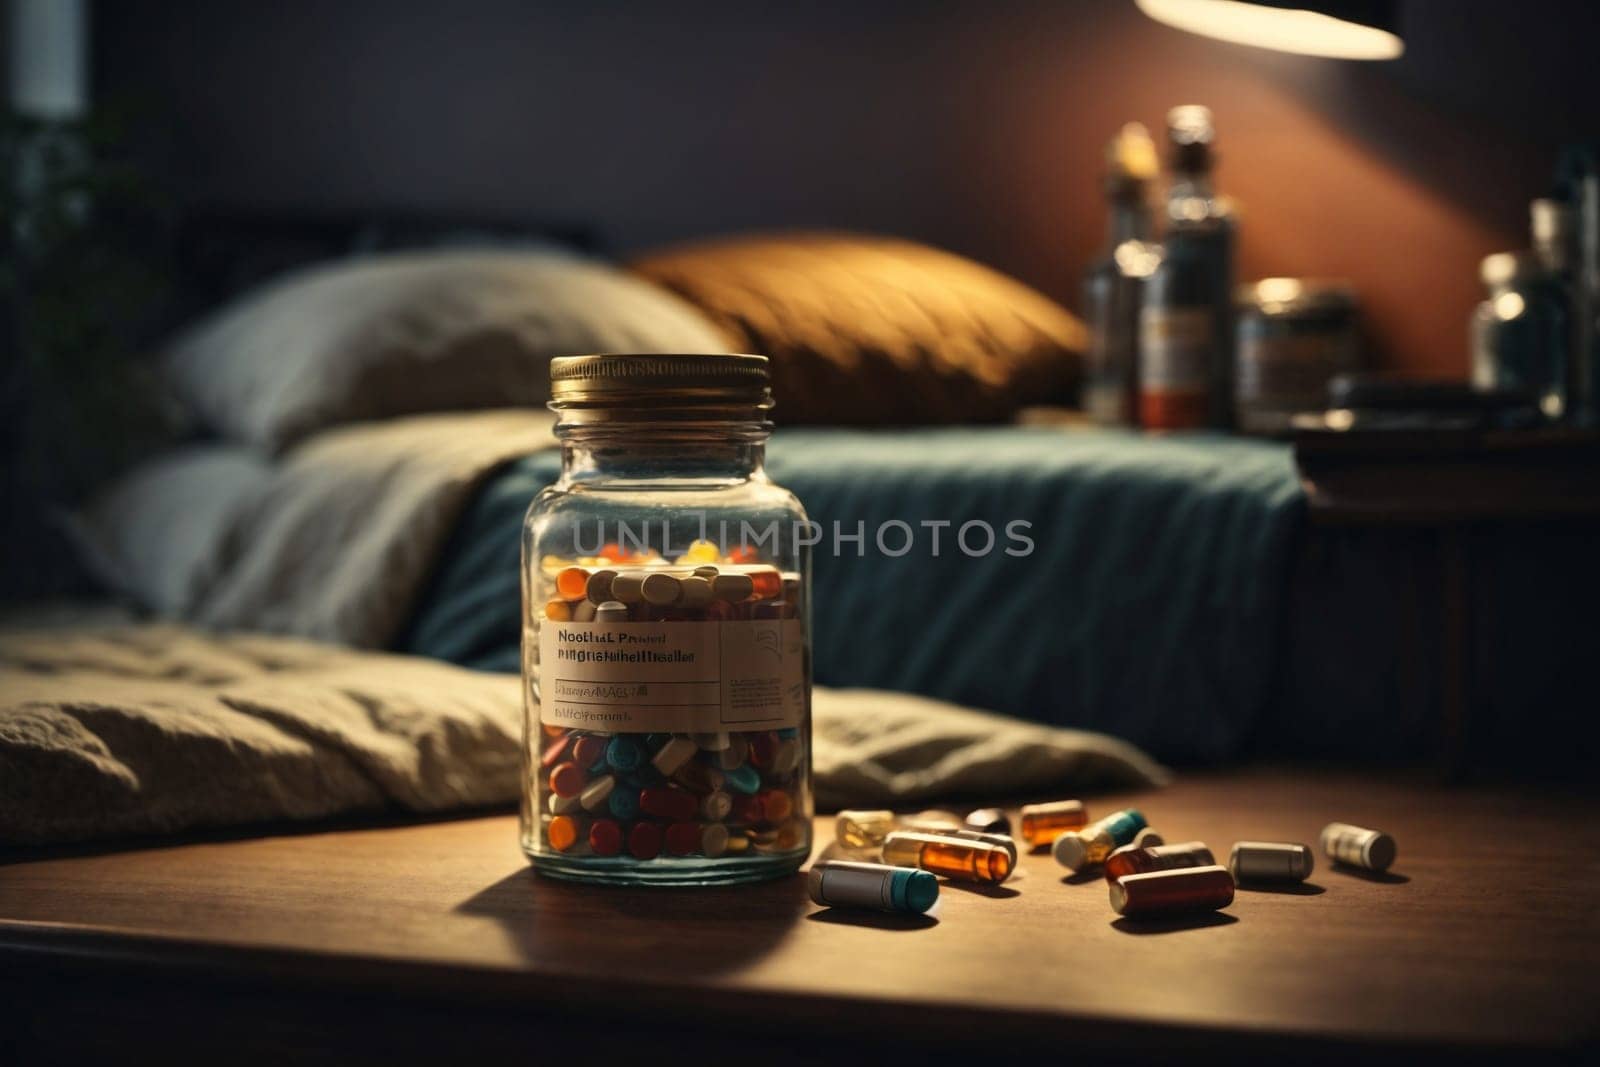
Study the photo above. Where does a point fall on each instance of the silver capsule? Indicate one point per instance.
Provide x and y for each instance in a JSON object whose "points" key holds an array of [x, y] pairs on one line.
{"points": [[1270, 861], [1358, 846], [843, 884]]}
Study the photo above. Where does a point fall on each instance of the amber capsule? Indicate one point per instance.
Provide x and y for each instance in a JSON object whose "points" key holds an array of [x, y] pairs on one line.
{"points": [[1172, 892], [971, 861], [558, 610], [1004, 841], [1142, 859], [1041, 824]]}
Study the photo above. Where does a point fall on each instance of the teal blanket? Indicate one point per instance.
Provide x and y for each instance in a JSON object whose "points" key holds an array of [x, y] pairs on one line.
{"points": [[1152, 606]]}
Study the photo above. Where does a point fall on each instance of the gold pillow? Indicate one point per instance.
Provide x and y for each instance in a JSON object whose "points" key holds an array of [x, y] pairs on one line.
{"points": [[870, 330]]}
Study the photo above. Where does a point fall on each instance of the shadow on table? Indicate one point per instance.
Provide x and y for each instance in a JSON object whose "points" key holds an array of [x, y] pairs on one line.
{"points": [[873, 920], [723, 928], [1381, 877], [1286, 889], [978, 889], [1171, 924]]}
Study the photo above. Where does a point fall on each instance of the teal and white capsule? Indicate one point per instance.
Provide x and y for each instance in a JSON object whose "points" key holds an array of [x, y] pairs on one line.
{"points": [[844, 884]]}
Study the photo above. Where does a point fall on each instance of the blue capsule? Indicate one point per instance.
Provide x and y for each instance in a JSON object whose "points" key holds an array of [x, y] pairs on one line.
{"points": [[624, 802], [624, 754], [745, 779]]}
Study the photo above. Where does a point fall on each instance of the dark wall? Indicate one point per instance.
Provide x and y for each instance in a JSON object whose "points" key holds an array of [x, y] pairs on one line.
{"points": [[976, 126]]}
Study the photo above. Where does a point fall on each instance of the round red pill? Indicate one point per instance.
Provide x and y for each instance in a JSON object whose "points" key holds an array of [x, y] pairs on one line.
{"points": [[683, 838], [749, 810], [605, 837], [567, 779], [776, 805], [644, 840], [588, 750], [666, 803]]}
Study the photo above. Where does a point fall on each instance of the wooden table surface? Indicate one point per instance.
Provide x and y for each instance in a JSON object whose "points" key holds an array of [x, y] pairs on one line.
{"points": [[1484, 936]]}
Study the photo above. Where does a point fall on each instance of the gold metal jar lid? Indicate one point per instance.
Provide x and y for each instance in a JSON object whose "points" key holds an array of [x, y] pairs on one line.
{"points": [[651, 379]]}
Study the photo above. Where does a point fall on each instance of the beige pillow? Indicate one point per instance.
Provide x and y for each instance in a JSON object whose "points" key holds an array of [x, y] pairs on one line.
{"points": [[865, 330], [415, 333]]}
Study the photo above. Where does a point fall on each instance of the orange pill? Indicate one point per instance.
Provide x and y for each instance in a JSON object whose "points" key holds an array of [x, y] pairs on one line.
{"points": [[567, 779], [573, 582], [767, 583], [562, 833], [558, 610], [777, 804]]}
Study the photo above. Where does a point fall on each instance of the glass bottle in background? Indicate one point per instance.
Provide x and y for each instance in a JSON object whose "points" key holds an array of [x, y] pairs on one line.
{"points": [[1519, 334], [1185, 324], [1113, 283]]}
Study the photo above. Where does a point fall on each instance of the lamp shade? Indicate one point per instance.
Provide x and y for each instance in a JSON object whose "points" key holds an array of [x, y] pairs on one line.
{"points": [[1339, 29]]}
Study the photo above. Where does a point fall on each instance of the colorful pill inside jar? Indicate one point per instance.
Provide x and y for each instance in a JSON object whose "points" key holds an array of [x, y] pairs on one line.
{"points": [[668, 718]]}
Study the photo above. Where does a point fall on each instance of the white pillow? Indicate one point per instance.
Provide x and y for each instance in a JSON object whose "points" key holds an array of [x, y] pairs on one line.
{"points": [[161, 533], [413, 333]]}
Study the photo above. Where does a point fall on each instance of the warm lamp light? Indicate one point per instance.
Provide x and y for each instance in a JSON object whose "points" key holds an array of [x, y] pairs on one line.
{"points": [[1339, 29]]}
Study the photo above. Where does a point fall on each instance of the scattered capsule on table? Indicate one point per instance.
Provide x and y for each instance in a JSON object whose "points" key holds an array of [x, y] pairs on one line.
{"points": [[1358, 846], [1041, 824], [863, 829], [1142, 859], [1082, 849], [953, 857], [932, 821], [843, 884], [1005, 841], [988, 821], [1270, 861], [1172, 892], [1148, 838]]}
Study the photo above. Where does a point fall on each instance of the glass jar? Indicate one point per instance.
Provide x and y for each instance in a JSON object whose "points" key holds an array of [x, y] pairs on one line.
{"points": [[666, 650], [1294, 337]]}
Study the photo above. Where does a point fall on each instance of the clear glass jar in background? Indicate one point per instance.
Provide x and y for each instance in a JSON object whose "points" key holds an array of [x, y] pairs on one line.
{"points": [[1519, 334], [666, 634], [1294, 337]]}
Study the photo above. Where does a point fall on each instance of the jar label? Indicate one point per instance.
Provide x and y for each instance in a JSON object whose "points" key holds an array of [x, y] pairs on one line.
{"points": [[673, 677], [1175, 349]]}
